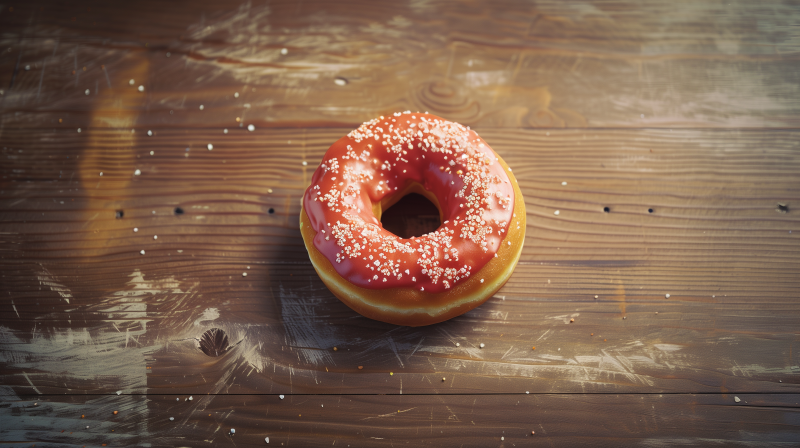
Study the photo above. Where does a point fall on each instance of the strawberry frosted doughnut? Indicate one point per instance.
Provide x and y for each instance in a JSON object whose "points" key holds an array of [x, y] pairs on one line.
{"points": [[420, 280]]}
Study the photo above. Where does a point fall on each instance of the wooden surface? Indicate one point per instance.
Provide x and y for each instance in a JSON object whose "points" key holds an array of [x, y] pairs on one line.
{"points": [[679, 120]]}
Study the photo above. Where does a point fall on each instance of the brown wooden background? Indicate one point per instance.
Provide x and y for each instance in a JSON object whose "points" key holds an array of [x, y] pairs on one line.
{"points": [[680, 117]]}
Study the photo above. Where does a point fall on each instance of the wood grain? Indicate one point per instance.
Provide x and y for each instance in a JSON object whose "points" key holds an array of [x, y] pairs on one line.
{"points": [[655, 303], [590, 65], [421, 420]]}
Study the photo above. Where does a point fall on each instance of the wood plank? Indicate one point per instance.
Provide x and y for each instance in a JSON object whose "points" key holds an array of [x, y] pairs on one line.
{"points": [[588, 65], [655, 302], [89, 313], [422, 420]]}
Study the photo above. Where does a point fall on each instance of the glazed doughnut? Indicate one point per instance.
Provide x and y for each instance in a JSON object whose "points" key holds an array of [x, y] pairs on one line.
{"points": [[420, 280]]}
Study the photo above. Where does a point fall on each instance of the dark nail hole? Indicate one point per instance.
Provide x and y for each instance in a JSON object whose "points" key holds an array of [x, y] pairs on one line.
{"points": [[649, 210], [120, 214], [214, 342], [271, 211], [783, 208], [606, 209], [412, 216], [178, 211]]}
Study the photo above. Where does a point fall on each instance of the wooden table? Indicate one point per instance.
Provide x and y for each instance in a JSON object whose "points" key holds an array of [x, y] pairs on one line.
{"points": [[656, 145]]}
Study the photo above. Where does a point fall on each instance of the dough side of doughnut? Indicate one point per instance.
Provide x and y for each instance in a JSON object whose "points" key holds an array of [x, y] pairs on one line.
{"points": [[412, 307]]}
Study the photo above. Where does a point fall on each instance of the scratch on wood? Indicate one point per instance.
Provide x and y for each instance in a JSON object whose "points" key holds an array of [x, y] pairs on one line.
{"points": [[31, 383]]}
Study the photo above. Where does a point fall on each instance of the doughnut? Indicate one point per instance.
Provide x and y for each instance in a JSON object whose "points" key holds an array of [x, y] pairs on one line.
{"points": [[420, 280]]}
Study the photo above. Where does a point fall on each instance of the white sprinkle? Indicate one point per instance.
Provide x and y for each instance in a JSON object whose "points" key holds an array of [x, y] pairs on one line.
{"points": [[251, 127], [79, 130], [233, 431], [119, 392], [86, 91], [458, 345], [131, 82], [141, 251], [210, 146], [191, 398], [284, 51], [502, 438], [177, 399], [340, 81], [737, 399], [170, 419], [266, 439], [564, 183], [244, 274], [141, 88], [149, 133], [481, 346], [556, 212], [281, 396], [481, 280], [666, 295], [135, 229], [137, 172], [28, 67], [101, 174], [305, 163], [527, 392], [152, 153], [236, 95], [225, 131]]}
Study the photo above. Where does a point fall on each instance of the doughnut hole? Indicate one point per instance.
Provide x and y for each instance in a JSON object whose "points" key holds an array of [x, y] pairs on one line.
{"points": [[412, 216]]}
